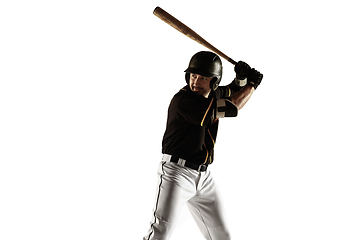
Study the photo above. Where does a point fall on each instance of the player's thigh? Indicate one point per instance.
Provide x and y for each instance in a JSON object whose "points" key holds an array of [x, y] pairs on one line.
{"points": [[175, 189], [207, 204]]}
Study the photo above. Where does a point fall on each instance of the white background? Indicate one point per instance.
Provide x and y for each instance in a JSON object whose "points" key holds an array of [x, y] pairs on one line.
{"points": [[84, 91]]}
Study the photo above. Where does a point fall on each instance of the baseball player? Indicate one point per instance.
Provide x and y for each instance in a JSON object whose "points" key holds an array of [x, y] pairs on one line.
{"points": [[188, 145]]}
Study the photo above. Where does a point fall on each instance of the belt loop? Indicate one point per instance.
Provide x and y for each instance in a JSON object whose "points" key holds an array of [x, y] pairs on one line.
{"points": [[182, 162], [166, 157]]}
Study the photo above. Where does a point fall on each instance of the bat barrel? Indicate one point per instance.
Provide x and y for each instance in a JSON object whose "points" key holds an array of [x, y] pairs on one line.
{"points": [[172, 21]]}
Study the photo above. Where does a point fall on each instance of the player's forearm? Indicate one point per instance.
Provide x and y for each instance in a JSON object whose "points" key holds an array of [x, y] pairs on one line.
{"points": [[241, 97]]}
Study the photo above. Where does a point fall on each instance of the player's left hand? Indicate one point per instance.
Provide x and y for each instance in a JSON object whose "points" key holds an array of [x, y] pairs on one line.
{"points": [[241, 70], [254, 77]]}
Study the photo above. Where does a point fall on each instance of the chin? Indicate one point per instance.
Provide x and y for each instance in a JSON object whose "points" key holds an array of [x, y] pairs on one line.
{"points": [[197, 92]]}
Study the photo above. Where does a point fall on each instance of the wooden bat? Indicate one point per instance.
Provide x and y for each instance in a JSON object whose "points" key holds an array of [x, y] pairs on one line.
{"points": [[166, 17]]}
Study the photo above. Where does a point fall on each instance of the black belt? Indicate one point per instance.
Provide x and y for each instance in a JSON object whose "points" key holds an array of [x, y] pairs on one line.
{"points": [[183, 162]]}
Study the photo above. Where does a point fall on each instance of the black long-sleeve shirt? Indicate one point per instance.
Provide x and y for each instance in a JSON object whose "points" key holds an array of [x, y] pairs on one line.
{"points": [[192, 126]]}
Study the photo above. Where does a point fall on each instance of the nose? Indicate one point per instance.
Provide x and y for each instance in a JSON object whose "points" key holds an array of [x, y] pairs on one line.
{"points": [[196, 78]]}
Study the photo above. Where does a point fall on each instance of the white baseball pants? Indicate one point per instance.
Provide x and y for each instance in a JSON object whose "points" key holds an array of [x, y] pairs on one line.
{"points": [[179, 185]]}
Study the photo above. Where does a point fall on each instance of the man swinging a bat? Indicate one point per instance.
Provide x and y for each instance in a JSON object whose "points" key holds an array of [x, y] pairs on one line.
{"points": [[188, 145]]}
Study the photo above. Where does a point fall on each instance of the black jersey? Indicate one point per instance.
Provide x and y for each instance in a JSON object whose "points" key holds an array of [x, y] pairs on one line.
{"points": [[191, 127]]}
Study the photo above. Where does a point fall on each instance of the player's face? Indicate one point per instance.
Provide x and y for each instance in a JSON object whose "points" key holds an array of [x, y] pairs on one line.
{"points": [[200, 84]]}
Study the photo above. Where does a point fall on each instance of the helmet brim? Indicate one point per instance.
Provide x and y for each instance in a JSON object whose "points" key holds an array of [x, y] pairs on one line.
{"points": [[200, 72]]}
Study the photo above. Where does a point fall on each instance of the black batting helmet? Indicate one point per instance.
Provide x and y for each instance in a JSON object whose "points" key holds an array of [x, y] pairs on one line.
{"points": [[206, 64]]}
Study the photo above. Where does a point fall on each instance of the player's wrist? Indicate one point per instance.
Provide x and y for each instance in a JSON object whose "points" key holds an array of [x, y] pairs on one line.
{"points": [[240, 82]]}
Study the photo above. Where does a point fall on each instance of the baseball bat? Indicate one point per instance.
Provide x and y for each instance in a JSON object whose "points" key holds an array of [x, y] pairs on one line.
{"points": [[172, 21]]}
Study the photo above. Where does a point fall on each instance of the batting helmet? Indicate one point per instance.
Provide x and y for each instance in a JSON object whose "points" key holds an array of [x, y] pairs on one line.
{"points": [[206, 64]]}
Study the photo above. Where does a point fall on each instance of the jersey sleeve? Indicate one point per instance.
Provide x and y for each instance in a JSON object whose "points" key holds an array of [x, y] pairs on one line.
{"points": [[225, 92]]}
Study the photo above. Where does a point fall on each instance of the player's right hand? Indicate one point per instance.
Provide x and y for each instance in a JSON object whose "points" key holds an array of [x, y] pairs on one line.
{"points": [[241, 70]]}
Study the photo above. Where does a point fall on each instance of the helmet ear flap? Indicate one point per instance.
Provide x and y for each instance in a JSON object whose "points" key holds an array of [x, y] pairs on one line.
{"points": [[187, 77], [215, 83]]}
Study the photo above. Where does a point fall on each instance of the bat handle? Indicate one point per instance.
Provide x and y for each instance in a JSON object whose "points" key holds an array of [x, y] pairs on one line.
{"points": [[231, 61]]}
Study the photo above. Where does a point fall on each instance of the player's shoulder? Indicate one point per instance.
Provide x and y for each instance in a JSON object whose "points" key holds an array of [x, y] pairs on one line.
{"points": [[183, 91]]}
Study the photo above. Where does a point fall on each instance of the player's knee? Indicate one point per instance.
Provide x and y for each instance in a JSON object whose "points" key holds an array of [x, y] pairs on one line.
{"points": [[160, 230]]}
